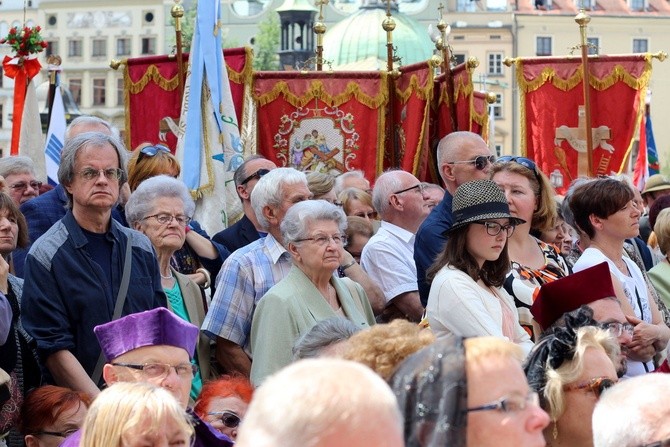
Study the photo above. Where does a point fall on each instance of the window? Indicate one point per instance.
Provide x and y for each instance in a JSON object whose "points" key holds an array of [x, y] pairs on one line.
{"points": [[52, 48], [638, 5], [495, 64], [640, 45], [466, 6], [499, 149], [74, 48], [98, 92], [593, 44], [1, 116], [123, 46], [148, 45], [119, 92], [497, 107], [458, 58], [75, 88], [99, 48], [543, 46]]}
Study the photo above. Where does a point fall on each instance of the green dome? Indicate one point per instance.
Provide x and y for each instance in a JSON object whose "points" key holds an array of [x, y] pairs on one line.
{"points": [[361, 37]]}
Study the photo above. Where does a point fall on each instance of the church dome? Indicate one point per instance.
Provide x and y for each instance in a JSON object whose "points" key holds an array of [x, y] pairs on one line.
{"points": [[362, 38]]}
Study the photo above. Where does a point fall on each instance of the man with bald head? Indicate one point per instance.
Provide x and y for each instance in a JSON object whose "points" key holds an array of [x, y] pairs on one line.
{"points": [[461, 157]]}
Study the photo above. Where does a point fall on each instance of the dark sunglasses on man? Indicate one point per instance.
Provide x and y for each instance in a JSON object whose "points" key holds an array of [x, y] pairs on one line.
{"points": [[480, 162], [256, 175], [151, 151]]}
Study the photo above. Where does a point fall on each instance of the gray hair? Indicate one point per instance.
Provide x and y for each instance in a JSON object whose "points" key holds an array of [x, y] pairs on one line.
{"points": [[385, 185], [632, 413], [88, 139], [320, 183], [16, 165], [339, 180], [142, 200], [241, 171], [91, 121], [301, 215], [323, 334], [269, 191]]}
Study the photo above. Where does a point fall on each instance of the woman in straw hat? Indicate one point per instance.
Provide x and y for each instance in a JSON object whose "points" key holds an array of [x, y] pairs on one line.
{"points": [[466, 296]]}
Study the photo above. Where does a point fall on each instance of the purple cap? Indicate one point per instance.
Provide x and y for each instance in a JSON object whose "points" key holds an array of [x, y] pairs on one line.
{"points": [[151, 328]]}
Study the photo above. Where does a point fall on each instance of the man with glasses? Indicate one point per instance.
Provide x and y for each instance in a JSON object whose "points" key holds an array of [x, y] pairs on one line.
{"points": [[74, 273], [157, 347], [19, 175], [247, 229], [400, 200], [461, 157]]}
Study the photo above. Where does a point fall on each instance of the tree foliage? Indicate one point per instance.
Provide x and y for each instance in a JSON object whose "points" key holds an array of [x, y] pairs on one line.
{"points": [[266, 44]]}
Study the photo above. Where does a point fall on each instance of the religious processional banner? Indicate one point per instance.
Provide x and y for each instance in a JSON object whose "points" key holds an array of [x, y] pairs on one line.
{"points": [[553, 113], [413, 96], [318, 121], [153, 100]]}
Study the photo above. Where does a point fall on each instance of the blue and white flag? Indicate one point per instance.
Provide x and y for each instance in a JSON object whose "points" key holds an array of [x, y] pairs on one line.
{"points": [[209, 147], [55, 137]]}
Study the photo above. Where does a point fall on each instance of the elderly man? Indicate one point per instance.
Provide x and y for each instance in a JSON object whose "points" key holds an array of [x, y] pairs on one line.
{"points": [[461, 157], [399, 199], [247, 229], [47, 209], [78, 273], [19, 174], [351, 179], [323, 403], [658, 185], [634, 413], [157, 347]]}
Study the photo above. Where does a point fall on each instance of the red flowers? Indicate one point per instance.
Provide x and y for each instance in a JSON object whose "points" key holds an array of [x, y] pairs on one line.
{"points": [[25, 41]]}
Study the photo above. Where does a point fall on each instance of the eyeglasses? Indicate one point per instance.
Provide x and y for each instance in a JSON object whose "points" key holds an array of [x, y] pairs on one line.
{"points": [[617, 329], [154, 370], [480, 162], [323, 240], [510, 404], [494, 228], [60, 434], [22, 186], [258, 174], [596, 385], [663, 443], [164, 218], [109, 173], [419, 187], [150, 151], [229, 419]]}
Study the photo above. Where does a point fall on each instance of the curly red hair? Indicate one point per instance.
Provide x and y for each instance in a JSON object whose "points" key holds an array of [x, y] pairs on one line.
{"points": [[224, 386]]}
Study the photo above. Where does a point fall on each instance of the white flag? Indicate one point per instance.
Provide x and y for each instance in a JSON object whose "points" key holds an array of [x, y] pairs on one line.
{"points": [[31, 141]]}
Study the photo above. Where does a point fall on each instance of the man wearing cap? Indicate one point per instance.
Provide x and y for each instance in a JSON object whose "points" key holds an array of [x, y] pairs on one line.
{"points": [[461, 157], [157, 347], [657, 186], [388, 256], [592, 288]]}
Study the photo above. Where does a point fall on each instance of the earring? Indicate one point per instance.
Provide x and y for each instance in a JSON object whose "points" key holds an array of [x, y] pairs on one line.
{"points": [[554, 432]]}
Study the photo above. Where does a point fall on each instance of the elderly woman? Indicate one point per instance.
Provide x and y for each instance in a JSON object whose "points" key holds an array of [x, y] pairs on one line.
{"points": [[470, 393], [660, 274], [569, 369], [223, 403], [321, 186], [313, 233], [534, 262], [161, 208], [359, 232], [605, 211], [19, 175], [356, 202], [200, 258]]}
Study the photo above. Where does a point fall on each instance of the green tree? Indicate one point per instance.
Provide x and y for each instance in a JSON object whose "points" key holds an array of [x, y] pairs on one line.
{"points": [[266, 44]]}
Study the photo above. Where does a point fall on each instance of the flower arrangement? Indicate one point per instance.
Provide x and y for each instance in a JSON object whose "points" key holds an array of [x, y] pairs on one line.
{"points": [[25, 41]]}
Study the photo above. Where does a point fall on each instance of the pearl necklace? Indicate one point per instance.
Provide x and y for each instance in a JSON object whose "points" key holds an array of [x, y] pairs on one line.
{"points": [[171, 276]]}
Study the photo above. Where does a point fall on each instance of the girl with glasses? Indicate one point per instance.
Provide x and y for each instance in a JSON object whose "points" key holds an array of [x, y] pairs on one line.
{"points": [[466, 296]]}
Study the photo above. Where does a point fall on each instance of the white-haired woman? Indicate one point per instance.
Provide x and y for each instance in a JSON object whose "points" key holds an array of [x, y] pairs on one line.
{"points": [[161, 207], [313, 233]]}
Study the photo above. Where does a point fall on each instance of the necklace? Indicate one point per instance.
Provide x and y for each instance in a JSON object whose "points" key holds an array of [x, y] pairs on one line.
{"points": [[170, 276]]}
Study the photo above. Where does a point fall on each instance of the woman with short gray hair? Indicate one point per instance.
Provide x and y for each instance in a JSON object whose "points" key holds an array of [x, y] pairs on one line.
{"points": [[19, 175], [313, 233], [161, 208]]}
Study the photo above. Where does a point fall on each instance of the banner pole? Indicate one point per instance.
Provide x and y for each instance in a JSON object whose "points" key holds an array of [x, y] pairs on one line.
{"points": [[389, 25], [583, 20], [319, 29], [177, 13], [443, 46]]}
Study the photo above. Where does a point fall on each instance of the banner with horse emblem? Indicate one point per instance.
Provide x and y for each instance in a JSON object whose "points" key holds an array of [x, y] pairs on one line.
{"points": [[553, 115], [326, 122]]}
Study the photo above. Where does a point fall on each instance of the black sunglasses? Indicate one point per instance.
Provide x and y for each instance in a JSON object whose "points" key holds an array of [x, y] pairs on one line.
{"points": [[258, 174], [523, 161], [480, 162], [229, 419], [150, 151]]}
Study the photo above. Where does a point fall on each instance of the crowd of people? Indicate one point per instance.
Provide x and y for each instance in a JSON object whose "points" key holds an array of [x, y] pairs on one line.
{"points": [[338, 310]]}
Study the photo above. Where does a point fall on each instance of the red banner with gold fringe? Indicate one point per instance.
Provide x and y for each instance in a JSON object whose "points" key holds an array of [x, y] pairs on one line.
{"points": [[153, 102], [317, 121], [553, 117]]}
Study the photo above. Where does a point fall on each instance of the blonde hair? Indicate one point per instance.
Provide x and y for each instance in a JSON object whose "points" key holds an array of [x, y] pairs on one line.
{"points": [[125, 406], [570, 370], [150, 166], [384, 346], [320, 183], [481, 349], [662, 231], [345, 197]]}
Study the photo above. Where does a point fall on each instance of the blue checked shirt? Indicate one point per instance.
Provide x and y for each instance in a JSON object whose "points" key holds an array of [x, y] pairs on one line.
{"points": [[243, 280]]}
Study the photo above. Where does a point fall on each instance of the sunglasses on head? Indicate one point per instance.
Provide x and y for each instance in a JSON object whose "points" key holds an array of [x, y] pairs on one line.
{"points": [[258, 174], [480, 162], [228, 418], [596, 385], [150, 151]]}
